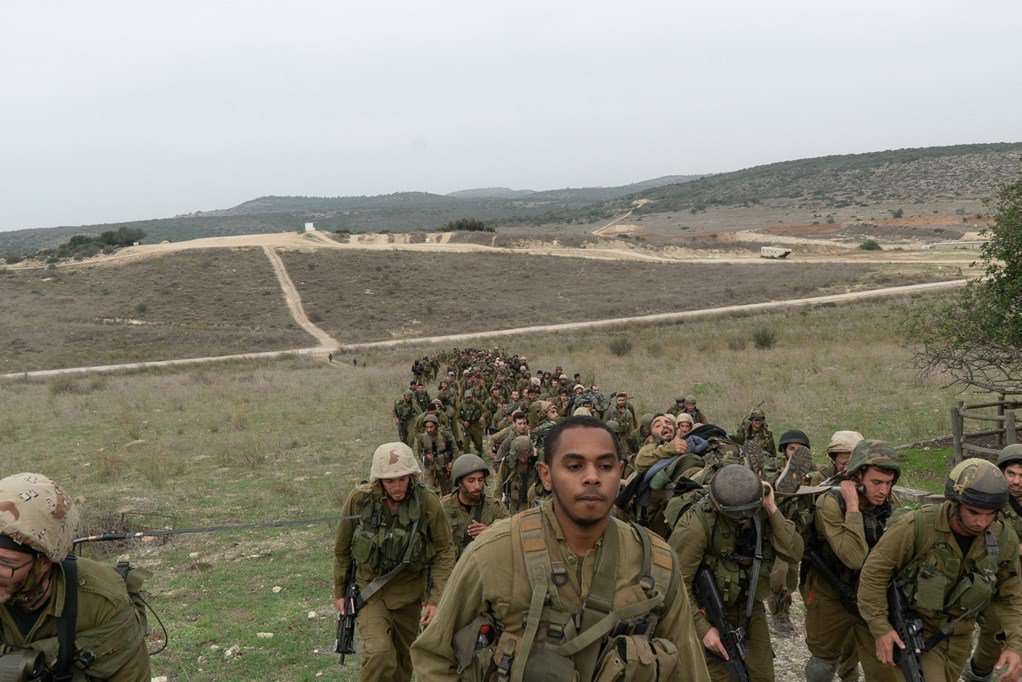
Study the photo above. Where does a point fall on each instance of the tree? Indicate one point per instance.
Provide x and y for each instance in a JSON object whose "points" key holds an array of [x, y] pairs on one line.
{"points": [[976, 336]]}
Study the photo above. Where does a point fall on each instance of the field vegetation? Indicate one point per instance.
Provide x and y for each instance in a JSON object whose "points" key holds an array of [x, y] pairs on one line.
{"points": [[254, 442]]}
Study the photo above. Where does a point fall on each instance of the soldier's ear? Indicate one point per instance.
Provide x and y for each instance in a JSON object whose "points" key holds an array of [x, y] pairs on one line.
{"points": [[544, 474]]}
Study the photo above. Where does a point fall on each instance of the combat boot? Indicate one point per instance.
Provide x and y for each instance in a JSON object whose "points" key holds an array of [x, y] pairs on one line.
{"points": [[820, 670]]}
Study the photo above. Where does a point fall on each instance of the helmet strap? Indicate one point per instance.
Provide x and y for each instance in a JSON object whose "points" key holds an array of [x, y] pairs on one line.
{"points": [[36, 588]]}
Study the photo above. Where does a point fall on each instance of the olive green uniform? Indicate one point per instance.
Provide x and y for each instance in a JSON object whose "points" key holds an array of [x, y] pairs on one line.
{"points": [[833, 633], [626, 423], [108, 625], [471, 415], [405, 412], [492, 579], [436, 452], [376, 540], [460, 516], [704, 536], [923, 555], [991, 639], [762, 440], [518, 483]]}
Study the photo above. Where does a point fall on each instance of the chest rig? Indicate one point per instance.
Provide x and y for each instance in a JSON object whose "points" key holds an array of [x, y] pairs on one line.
{"points": [[384, 541], [739, 559]]}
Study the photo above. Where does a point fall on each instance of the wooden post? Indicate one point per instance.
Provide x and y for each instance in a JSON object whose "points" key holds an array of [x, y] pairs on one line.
{"points": [[1010, 434], [1001, 439], [956, 431]]}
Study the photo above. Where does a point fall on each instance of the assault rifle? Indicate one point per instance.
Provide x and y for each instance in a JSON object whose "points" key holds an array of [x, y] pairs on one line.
{"points": [[733, 638], [345, 643], [910, 630], [844, 592]]}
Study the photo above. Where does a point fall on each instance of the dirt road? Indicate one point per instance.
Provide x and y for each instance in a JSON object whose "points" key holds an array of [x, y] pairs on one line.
{"points": [[294, 301]]}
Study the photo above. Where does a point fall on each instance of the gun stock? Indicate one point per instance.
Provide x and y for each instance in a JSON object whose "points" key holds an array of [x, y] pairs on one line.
{"points": [[733, 638], [910, 630]]}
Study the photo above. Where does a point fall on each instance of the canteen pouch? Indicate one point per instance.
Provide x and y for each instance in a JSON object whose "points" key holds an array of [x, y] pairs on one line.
{"points": [[364, 549], [473, 663], [929, 589], [971, 594], [543, 665], [636, 658]]}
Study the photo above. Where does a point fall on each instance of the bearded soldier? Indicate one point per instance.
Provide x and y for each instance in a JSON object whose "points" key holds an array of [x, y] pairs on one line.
{"points": [[469, 509], [74, 613], [392, 535], [953, 563], [564, 591], [848, 523], [726, 533]]}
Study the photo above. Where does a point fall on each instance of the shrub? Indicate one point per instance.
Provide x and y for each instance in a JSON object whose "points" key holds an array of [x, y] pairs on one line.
{"points": [[466, 225], [764, 338], [870, 245], [620, 345], [897, 213]]}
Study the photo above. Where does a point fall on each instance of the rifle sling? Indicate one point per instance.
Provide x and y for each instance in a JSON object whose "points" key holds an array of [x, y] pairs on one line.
{"points": [[380, 582], [67, 622], [757, 564]]}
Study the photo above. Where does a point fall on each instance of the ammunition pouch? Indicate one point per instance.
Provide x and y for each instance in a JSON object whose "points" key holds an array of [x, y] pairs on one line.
{"points": [[23, 665], [636, 658]]}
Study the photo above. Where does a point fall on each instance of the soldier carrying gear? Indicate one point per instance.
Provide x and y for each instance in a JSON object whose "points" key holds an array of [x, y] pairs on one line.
{"points": [[954, 563], [726, 534], [755, 435], [394, 543], [471, 415], [564, 591], [469, 510], [75, 613], [847, 523], [517, 477], [693, 411], [405, 411], [436, 451], [991, 636]]}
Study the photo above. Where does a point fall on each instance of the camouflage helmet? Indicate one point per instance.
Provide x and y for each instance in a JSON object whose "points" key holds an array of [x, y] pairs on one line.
{"points": [[37, 513], [430, 419], [977, 483], [757, 414], [793, 436], [468, 464], [1010, 455], [690, 399], [684, 417], [393, 460], [736, 491], [645, 421], [843, 441], [521, 445], [873, 453]]}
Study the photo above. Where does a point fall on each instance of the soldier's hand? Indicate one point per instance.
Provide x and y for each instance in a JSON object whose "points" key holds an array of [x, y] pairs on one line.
{"points": [[680, 444], [850, 493], [339, 605], [885, 647], [475, 528], [1011, 664], [428, 612], [711, 640], [769, 504]]}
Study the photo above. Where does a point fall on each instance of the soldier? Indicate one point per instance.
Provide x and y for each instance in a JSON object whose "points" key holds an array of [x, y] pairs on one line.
{"points": [[678, 407], [517, 476], [840, 451], [469, 510], [539, 433], [991, 636], [421, 396], [693, 411], [725, 532], [954, 562], [753, 432], [405, 411], [565, 591], [847, 524], [40, 580], [792, 466], [500, 445], [393, 534], [471, 415], [624, 415], [436, 452]]}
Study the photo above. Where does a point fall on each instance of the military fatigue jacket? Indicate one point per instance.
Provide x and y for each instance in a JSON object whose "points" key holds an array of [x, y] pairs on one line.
{"points": [[895, 552], [460, 516], [108, 625], [406, 587], [488, 580]]}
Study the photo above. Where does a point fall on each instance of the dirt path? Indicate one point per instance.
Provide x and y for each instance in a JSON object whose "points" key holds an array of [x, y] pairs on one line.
{"points": [[294, 301]]}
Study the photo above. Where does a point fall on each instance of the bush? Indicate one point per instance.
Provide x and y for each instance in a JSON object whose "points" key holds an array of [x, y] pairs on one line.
{"points": [[870, 245], [466, 225], [620, 345], [897, 213], [764, 338]]}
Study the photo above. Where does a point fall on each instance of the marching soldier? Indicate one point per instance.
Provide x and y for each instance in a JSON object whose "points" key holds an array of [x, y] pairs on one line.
{"points": [[954, 562], [436, 452], [755, 434], [517, 476], [564, 591], [392, 535], [471, 415], [405, 411], [469, 509]]}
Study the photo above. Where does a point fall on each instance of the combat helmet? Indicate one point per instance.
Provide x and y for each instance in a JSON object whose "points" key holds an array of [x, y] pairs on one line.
{"points": [[873, 453], [645, 421], [430, 419], [736, 491], [468, 464], [393, 460], [977, 483], [36, 513], [843, 441], [613, 426], [1012, 454], [793, 436], [521, 445]]}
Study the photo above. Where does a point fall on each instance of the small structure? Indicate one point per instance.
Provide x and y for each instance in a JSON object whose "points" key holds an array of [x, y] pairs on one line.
{"points": [[1004, 429], [773, 252], [310, 227]]}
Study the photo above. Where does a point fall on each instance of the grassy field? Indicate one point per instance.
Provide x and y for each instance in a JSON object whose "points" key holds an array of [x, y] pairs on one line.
{"points": [[252, 442], [368, 296], [202, 303]]}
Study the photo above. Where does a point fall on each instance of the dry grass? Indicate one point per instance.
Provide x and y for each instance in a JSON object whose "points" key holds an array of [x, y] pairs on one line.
{"points": [[202, 303]]}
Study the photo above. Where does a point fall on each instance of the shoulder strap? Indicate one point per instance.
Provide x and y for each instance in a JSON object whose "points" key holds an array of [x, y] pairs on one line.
{"points": [[379, 583], [528, 542], [67, 622]]}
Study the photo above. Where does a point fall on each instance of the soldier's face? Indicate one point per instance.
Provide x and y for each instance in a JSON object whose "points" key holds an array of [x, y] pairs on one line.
{"points": [[878, 484], [584, 475], [521, 426], [662, 429], [472, 486], [620, 401], [689, 407], [396, 488], [15, 567], [1013, 474], [972, 521], [790, 449], [430, 428], [514, 396], [756, 424], [684, 428], [841, 461]]}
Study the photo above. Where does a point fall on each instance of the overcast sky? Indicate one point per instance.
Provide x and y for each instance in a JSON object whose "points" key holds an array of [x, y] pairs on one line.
{"points": [[124, 110]]}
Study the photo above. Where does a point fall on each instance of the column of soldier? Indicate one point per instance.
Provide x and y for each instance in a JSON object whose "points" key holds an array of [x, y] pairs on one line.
{"points": [[516, 531]]}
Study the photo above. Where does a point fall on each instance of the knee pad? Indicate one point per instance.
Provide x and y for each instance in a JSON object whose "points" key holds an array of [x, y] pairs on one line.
{"points": [[820, 670]]}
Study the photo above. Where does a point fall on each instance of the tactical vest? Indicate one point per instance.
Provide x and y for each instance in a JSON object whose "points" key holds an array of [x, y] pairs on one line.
{"points": [[874, 522], [940, 585], [730, 561], [458, 519], [597, 642], [519, 487], [381, 539]]}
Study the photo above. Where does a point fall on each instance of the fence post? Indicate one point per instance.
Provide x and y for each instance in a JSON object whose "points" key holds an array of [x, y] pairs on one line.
{"points": [[1002, 437], [956, 431], [1010, 434]]}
